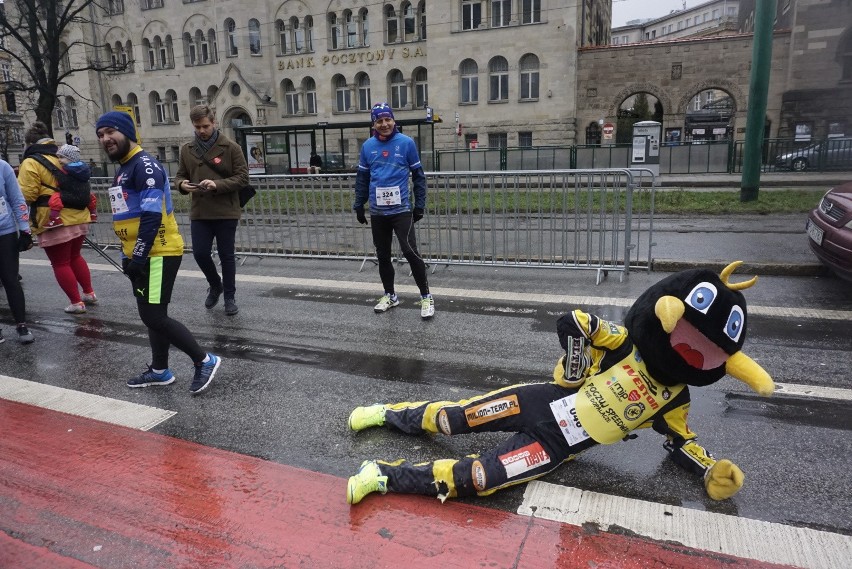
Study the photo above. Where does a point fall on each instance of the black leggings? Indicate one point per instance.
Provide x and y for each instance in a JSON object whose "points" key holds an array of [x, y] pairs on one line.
{"points": [[164, 331], [384, 227], [9, 265]]}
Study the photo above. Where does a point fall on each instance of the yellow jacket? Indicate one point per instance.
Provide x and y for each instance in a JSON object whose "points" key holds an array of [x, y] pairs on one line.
{"points": [[37, 185]]}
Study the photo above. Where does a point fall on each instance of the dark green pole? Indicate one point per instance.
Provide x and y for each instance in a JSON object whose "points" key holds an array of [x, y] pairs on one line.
{"points": [[761, 63]]}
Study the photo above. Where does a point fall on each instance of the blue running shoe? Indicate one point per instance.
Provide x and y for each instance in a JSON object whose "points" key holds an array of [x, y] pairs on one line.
{"points": [[204, 373], [149, 378]]}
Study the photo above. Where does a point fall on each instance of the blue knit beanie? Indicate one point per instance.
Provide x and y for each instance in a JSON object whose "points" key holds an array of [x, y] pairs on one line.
{"points": [[119, 121], [380, 110]]}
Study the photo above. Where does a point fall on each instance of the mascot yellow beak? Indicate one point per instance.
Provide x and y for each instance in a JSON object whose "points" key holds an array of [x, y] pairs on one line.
{"points": [[670, 310]]}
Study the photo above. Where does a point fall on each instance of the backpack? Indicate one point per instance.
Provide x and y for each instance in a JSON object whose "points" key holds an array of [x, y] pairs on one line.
{"points": [[74, 193]]}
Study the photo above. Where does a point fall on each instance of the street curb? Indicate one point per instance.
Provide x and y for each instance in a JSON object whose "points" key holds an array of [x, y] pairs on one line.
{"points": [[767, 269]]}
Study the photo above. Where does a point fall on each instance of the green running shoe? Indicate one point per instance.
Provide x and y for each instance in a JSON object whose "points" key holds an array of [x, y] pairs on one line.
{"points": [[368, 480], [370, 416]]}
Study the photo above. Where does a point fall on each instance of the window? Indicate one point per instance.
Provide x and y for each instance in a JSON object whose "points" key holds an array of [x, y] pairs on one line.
{"points": [[409, 27], [342, 95], [254, 37], [195, 97], [172, 102], [498, 79], [501, 13], [175, 153], [310, 88], [164, 49], [71, 110], [298, 36], [680, 25], [161, 153], [59, 114], [351, 29], [845, 56], [291, 98], [399, 89], [696, 103], [231, 30], [150, 4], [498, 140], [133, 102], [283, 44], [64, 60], [421, 88], [115, 7], [469, 81], [334, 27], [529, 76], [6, 69], [160, 108], [688, 22], [391, 25], [525, 138], [421, 9], [309, 33], [716, 14], [365, 27], [471, 14], [364, 99], [530, 11]]}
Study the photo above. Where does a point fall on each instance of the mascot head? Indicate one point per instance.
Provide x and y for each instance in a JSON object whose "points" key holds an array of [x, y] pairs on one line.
{"points": [[690, 328]]}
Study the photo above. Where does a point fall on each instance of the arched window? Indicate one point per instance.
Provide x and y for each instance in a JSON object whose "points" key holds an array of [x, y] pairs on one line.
{"points": [[363, 17], [298, 36], [116, 101], [468, 71], [172, 102], [159, 109], [364, 99], [335, 31], [231, 31], [391, 25], [399, 89], [214, 45], [291, 97], [310, 88], [421, 88], [133, 102], [71, 110], [201, 40], [59, 114], [498, 79], [64, 60], [254, 37], [190, 50], [529, 76], [211, 94], [195, 97], [351, 29], [342, 96], [309, 33], [150, 55], [283, 42], [409, 27], [421, 10], [111, 55]]}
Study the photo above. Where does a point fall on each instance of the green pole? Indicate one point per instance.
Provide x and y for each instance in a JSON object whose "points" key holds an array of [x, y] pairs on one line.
{"points": [[761, 63]]}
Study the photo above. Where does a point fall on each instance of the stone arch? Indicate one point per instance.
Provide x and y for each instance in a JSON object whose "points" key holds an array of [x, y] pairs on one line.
{"points": [[733, 89], [633, 88], [197, 22], [116, 34], [156, 28]]}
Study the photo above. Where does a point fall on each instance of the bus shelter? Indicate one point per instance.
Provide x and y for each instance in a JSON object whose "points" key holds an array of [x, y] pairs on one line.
{"points": [[287, 149]]}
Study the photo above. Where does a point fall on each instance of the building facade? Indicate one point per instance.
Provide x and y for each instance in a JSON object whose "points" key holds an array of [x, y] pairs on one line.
{"points": [[710, 18], [505, 68]]}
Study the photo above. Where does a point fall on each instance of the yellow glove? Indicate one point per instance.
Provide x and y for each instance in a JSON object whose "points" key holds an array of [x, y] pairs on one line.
{"points": [[723, 480]]}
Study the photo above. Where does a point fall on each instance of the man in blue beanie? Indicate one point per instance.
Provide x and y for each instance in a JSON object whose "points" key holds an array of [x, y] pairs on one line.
{"points": [[382, 180], [152, 250]]}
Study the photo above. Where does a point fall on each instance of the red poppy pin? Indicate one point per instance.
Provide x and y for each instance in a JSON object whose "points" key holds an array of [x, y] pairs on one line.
{"points": [[217, 160], [385, 153]]}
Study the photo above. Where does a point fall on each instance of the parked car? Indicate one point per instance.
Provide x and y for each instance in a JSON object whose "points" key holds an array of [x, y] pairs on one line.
{"points": [[829, 228], [833, 153]]}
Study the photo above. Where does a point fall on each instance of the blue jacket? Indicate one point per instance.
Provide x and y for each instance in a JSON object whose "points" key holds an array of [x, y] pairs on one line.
{"points": [[14, 212], [386, 165]]}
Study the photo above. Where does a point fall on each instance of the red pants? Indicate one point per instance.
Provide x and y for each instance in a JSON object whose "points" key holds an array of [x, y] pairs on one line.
{"points": [[70, 268]]}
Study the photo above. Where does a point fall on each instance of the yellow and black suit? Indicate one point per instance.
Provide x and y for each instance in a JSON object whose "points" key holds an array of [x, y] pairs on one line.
{"points": [[552, 422]]}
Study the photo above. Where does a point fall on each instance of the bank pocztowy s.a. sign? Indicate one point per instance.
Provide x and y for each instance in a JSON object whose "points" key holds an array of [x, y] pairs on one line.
{"points": [[351, 58]]}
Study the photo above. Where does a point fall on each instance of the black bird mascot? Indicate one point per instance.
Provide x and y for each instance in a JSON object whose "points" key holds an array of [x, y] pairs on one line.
{"points": [[686, 330]]}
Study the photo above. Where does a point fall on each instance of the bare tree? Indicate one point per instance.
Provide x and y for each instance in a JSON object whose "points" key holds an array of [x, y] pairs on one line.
{"points": [[35, 33]]}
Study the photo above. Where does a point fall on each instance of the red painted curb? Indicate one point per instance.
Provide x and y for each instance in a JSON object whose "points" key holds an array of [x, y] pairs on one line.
{"points": [[80, 493]]}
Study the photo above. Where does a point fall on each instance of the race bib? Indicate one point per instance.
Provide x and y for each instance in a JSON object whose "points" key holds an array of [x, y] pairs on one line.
{"points": [[3, 208], [117, 201], [388, 196], [565, 413]]}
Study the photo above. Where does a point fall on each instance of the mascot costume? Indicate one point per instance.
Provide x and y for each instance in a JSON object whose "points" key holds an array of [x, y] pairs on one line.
{"points": [[687, 330]]}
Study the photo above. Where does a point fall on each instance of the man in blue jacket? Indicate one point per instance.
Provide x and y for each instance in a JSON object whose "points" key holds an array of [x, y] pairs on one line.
{"points": [[383, 168]]}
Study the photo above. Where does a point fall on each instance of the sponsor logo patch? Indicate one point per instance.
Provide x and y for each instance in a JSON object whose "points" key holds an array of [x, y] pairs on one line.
{"points": [[633, 411], [150, 182], [385, 153], [477, 472], [444, 422], [496, 409], [524, 459]]}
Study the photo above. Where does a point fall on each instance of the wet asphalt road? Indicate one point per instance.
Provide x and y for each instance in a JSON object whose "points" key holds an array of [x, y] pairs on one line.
{"points": [[298, 357]]}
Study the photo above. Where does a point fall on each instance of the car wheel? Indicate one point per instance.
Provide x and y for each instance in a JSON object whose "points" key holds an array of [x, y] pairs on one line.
{"points": [[799, 164]]}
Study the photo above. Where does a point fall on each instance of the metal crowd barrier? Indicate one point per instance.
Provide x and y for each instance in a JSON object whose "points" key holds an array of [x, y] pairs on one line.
{"points": [[600, 220]]}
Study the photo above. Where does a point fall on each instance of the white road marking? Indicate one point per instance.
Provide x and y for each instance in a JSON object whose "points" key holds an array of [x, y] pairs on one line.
{"points": [[813, 391], [731, 535], [105, 409], [479, 294]]}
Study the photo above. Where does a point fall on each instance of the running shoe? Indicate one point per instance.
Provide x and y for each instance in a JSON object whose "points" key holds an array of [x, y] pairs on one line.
{"points": [[89, 298], [365, 417], [76, 308], [427, 307], [204, 373], [150, 378], [386, 302], [24, 334], [368, 480]]}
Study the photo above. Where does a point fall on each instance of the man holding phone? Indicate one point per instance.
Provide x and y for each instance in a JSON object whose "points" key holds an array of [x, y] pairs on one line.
{"points": [[212, 171]]}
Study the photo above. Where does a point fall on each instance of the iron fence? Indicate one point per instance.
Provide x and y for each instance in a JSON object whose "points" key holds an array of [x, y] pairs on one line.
{"points": [[600, 220]]}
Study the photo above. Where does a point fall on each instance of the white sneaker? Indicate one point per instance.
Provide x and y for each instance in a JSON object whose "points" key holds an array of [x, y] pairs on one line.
{"points": [[427, 307], [385, 302], [89, 298], [78, 308]]}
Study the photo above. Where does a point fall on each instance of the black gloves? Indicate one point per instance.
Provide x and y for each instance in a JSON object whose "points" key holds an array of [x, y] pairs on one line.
{"points": [[417, 214], [135, 271], [359, 214], [25, 241]]}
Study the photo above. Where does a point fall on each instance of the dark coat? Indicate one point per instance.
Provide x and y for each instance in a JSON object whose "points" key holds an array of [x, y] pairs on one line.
{"points": [[227, 156]]}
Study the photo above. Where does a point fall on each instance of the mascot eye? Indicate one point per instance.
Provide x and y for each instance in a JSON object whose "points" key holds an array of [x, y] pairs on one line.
{"points": [[734, 325], [701, 297]]}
